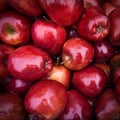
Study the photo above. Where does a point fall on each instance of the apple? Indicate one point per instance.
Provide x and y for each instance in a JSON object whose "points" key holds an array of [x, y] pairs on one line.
{"points": [[77, 53], [11, 107], [107, 106], [14, 28], [90, 81], [77, 107], [94, 24], [114, 36], [61, 74], [30, 65], [63, 12], [48, 36], [104, 51], [30, 8], [46, 99]]}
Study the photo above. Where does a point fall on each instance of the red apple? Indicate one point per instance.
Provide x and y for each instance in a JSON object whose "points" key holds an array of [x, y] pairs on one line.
{"points": [[48, 36], [61, 74], [46, 99], [63, 12], [104, 51], [14, 28], [94, 24], [29, 63], [77, 53], [107, 106], [90, 81], [11, 107], [114, 19], [77, 107], [27, 7]]}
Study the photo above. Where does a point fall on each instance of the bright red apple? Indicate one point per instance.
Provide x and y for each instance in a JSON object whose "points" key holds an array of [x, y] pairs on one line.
{"points": [[94, 24], [90, 81], [77, 53], [48, 36], [46, 99], [30, 8], [63, 12], [29, 63], [77, 107], [61, 74], [14, 28]]}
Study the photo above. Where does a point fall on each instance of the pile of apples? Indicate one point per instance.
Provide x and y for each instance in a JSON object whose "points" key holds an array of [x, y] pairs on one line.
{"points": [[59, 59]]}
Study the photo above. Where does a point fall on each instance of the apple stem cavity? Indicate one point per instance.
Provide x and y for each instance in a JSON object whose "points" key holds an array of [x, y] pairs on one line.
{"points": [[67, 58], [10, 29]]}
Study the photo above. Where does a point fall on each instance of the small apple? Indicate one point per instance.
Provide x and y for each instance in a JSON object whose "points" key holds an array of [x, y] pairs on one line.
{"points": [[14, 28], [114, 19], [61, 74], [30, 8], [107, 107], [90, 81], [29, 63], [48, 36], [63, 12], [77, 107], [46, 99], [77, 53], [94, 24]]}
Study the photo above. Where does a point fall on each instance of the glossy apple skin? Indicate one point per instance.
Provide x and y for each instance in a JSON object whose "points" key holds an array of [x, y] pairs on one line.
{"points": [[77, 53], [64, 13], [90, 81], [114, 19], [77, 107], [107, 106], [47, 99], [94, 24], [11, 107], [61, 74], [30, 8], [104, 51], [30, 65], [48, 36], [14, 28]]}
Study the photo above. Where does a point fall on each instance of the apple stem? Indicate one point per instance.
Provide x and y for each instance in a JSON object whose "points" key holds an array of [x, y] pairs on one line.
{"points": [[67, 59]]}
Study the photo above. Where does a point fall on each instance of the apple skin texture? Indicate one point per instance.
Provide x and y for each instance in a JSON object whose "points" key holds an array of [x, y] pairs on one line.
{"points": [[30, 65], [47, 99], [77, 53], [72, 10]]}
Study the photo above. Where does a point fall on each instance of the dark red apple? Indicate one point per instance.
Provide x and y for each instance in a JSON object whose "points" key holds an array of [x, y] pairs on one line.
{"points": [[61, 74], [107, 106], [28, 7], [77, 53], [14, 28], [48, 36], [63, 12], [94, 24], [90, 81], [46, 99], [104, 51], [77, 107], [114, 19], [29, 63], [11, 107]]}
